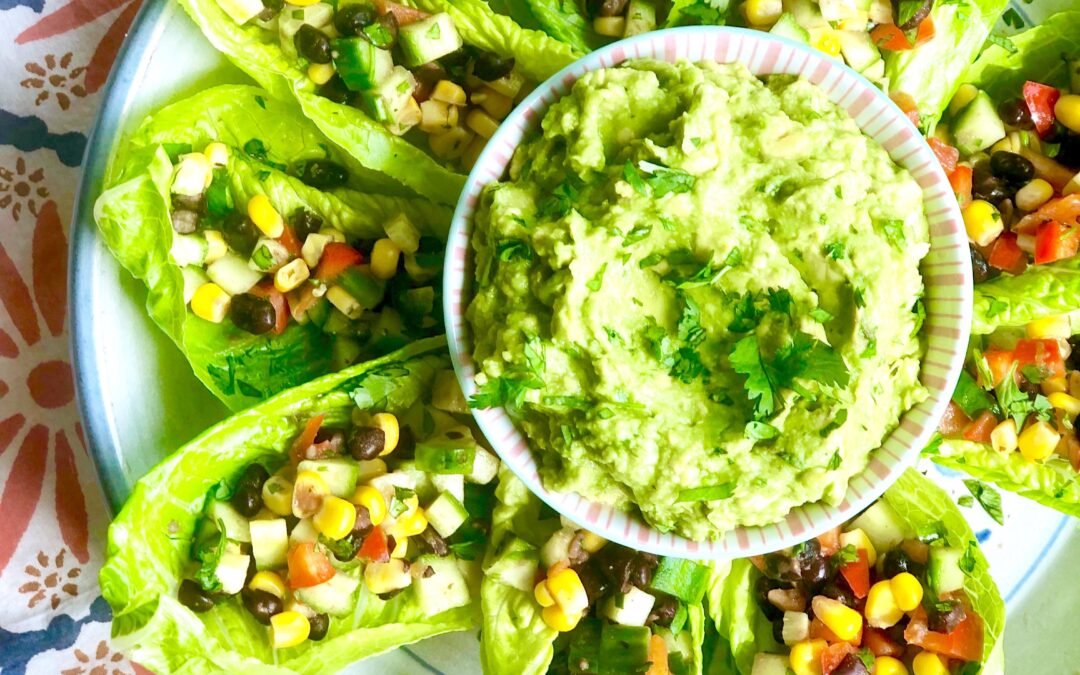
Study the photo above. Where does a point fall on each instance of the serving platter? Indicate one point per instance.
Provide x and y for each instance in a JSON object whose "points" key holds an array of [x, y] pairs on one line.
{"points": [[140, 401]]}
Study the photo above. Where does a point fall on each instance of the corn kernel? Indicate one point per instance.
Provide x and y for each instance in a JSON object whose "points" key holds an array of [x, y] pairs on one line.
{"points": [[449, 92], [372, 500], [1065, 403], [509, 85], [964, 95], [1051, 327], [1003, 438], [265, 216], [435, 116], [568, 592], [542, 595], [907, 591], [291, 275], [401, 547], [592, 542], [610, 26], [859, 540], [806, 657], [389, 425], [983, 222], [410, 524], [481, 122], [1038, 441], [1053, 385], [495, 104], [210, 302], [308, 493], [1067, 111], [1033, 195], [558, 620], [344, 302], [217, 153], [335, 518], [1072, 187], [289, 629], [881, 608], [215, 246], [451, 145], [472, 153], [384, 577], [887, 665], [320, 73], [929, 663], [827, 41], [384, 259], [268, 581], [842, 620], [762, 13], [277, 495]]}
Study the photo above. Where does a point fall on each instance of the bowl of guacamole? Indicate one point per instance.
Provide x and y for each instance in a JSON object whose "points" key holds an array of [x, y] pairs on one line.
{"points": [[706, 292]]}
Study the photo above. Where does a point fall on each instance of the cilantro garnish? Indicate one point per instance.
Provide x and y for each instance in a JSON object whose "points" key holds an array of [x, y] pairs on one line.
{"points": [[988, 498], [561, 201], [803, 357], [835, 250], [761, 431], [513, 249]]}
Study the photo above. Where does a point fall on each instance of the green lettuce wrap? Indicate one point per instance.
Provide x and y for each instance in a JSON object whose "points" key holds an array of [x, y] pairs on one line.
{"points": [[149, 544], [515, 639], [267, 140], [259, 53], [914, 510], [1042, 52]]}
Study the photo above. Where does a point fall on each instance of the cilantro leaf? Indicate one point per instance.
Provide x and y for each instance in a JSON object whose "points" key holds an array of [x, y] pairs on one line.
{"points": [[762, 392], [506, 391], [597, 281], [761, 431], [663, 180], [894, 232], [633, 178], [561, 201], [988, 498], [513, 249]]}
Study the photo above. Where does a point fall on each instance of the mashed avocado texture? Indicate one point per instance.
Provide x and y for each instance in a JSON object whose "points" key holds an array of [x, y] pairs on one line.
{"points": [[698, 293]]}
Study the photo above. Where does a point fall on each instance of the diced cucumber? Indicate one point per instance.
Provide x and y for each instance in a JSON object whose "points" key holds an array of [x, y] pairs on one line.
{"points": [[629, 609], [882, 525], [369, 468], [416, 304], [230, 521], [624, 649], [943, 571], [365, 289], [428, 39], [677, 643], [319, 15], [557, 547], [453, 484], [269, 543], [303, 532], [193, 278], [188, 249], [390, 97], [241, 11], [453, 452], [420, 480], [402, 232], [446, 514], [485, 467], [232, 273], [443, 590], [333, 596], [269, 255], [361, 64], [340, 474], [769, 664], [978, 125], [640, 17], [516, 566], [788, 26], [881, 11], [838, 10], [584, 647], [191, 175], [446, 393], [858, 49], [387, 483], [231, 571], [344, 352], [875, 72], [806, 13]]}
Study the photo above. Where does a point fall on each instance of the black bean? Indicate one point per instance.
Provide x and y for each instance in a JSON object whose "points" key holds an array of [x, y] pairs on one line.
{"points": [[575, 552], [944, 616], [1069, 152], [362, 525], [271, 9], [390, 594], [986, 186], [366, 442], [352, 18], [811, 565], [252, 314], [761, 594], [778, 629], [335, 90], [915, 19], [456, 65], [644, 566], [192, 596], [663, 611], [596, 585], [613, 7], [851, 665], [980, 269], [434, 542], [262, 604], [320, 625], [240, 233], [616, 563], [490, 66], [1015, 113], [304, 222], [1012, 167], [896, 561], [781, 566], [324, 174], [196, 203], [838, 590], [247, 500], [312, 44], [1073, 362], [184, 221]]}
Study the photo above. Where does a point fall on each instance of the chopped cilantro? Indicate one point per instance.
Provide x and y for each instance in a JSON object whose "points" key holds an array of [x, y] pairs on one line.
{"points": [[706, 493], [1016, 403], [663, 180], [996, 307], [513, 249], [835, 250], [634, 179], [967, 501], [261, 101], [650, 260], [834, 461], [780, 300], [845, 556], [761, 431], [894, 232], [919, 310], [988, 498], [967, 561], [597, 281], [837, 422], [507, 390], [398, 503], [561, 201], [804, 357], [637, 234], [821, 315], [746, 314]]}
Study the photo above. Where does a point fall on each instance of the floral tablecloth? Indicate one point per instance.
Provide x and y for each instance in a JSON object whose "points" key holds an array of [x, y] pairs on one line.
{"points": [[55, 56]]}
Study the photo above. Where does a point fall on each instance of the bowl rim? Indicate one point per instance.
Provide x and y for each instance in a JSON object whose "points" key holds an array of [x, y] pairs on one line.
{"points": [[944, 269]]}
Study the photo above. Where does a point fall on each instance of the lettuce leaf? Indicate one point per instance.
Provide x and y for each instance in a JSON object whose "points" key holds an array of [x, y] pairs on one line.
{"points": [[565, 21], [932, 72], [745, 631], [133, 218], [1041, 53], [149, 541], [1041, 291]]}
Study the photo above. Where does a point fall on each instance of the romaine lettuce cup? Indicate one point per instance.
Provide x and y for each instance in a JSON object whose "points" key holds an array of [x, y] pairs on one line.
{"points": [[390, 110], [913, 542], [192, 581], [558, 599], [173, 214]]}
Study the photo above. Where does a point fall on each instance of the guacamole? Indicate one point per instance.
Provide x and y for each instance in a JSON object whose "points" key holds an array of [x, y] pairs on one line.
{"points": [[698, 293]]}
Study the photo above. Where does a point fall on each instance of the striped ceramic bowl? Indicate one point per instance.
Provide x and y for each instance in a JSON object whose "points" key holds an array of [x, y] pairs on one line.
{"points": [[946, 272]]}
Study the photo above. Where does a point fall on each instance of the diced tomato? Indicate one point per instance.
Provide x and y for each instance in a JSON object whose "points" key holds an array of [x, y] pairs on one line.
{"points": [[1040, 101], [277, 300], [960, 180], [404, 15], [374, 548], [308, 567], [888, 36], [337, 258], [965, 642], [954, 421], [1045, 355], [1064, 210], [945, 153], [829, 541], [979, 430], [1006, 255], [878, 642], [857, 574], [658, 656], [833, 655], [999, 362], [305, 439], [289, 241], [1054, 241]]}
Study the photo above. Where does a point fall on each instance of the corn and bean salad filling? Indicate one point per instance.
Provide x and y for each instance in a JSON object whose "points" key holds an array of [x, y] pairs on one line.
{"points": [[865, 598], [262, 269], [1015, 168], [396, 505], [617, 610], [1021, 393], [406, 68]]}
